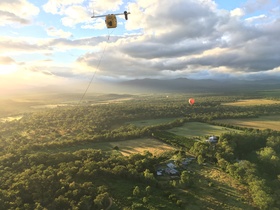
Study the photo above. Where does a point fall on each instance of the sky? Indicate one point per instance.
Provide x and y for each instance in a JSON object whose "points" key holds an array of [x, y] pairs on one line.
{"points": [[56, 42]]}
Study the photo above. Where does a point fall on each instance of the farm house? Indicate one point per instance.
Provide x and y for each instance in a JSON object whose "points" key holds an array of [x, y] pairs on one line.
{"points": [[213, 139]]}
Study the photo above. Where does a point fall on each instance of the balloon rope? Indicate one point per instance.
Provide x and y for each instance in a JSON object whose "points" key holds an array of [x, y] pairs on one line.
{"points": [[94, 73]]}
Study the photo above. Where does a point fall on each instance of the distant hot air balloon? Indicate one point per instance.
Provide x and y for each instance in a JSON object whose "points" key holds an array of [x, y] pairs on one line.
{"points": [[191, 101]]}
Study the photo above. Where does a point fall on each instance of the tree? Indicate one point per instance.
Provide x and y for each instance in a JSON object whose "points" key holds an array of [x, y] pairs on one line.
{"points": [[145, 199], [186, 179], [102, 200], [260, 194], [148, 175], [86, 202], [61, 203], [148, 190], [274, 142], [136, 191], [270, 160], [200, 159]]}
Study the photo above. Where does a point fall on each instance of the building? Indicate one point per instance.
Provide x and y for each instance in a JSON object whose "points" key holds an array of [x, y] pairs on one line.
{"points": [[213, 139]]}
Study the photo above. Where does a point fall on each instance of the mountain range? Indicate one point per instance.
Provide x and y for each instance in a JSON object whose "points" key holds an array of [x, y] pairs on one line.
{"points": [[150, 86], [191, 85]]}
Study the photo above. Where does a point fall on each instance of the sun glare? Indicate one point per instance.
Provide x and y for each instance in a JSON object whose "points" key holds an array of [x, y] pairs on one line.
{"points": [[7, 69]]}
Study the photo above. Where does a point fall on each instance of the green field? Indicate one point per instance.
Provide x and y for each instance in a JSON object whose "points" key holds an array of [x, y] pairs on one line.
{"points": [[197, 129], [215, 189], [264, 122], [18, 104], [252, 102], [129, 147], [152, 122], [126, 147]]}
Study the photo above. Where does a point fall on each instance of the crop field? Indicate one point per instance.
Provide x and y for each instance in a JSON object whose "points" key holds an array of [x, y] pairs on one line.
{"points": [[126, 147], [252, 102], [129, 147], [197, 129], [264, 122], [152, 122], [18, 104]]}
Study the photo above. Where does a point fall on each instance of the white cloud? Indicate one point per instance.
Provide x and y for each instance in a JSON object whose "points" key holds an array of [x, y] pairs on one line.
{"points": [[17, 12], [103, 6], [75, 12], [97, 23], [58, 32], [75, 15], [238, 12], [256, 18], [178, 38], [58, 6], [17, 46], [187, 39], [252, 6], [4, 60]]}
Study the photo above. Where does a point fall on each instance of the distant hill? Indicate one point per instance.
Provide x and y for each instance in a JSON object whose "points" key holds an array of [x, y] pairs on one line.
{"points": [[191, 85], [138, 86]]}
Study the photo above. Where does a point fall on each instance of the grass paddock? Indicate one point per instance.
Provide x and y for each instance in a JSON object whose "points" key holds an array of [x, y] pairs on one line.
{"points": [[141, 123], [252, 102], [129, 147], [264, 122], [126, 147], [197, 129]]}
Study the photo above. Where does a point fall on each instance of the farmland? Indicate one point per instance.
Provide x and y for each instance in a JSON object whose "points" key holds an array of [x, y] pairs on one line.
{"points": [[252, 102], [118, 141], [263, 122], [152, 121], [125, 147], [198, 129]]}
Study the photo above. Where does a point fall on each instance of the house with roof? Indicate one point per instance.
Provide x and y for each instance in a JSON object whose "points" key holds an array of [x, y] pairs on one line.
{"points": [[171, 169], [213, 139]]}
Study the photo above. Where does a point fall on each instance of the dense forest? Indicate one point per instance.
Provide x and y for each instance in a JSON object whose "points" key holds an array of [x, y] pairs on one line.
{"points": [[39, 169]]}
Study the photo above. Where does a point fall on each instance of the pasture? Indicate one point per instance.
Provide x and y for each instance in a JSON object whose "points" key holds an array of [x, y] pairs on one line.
{"points": [[264, 122], [252, 102], [215, 189], [141, 123], [126, 147], [129, 147], [198, 129]]}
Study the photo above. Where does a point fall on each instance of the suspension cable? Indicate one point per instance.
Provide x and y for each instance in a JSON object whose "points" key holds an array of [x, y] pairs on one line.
{"points": [[97, 67]]}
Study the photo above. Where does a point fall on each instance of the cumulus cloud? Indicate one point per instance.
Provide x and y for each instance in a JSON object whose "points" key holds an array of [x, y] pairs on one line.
{"points": [[52, 31], [11, 45], [237, 12], [75, 12], [256, 18], [103, 6], [190, 38], [179, 38], [59, 6], [4, 60], [75, 15], [17, 12], [254, 5]]}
